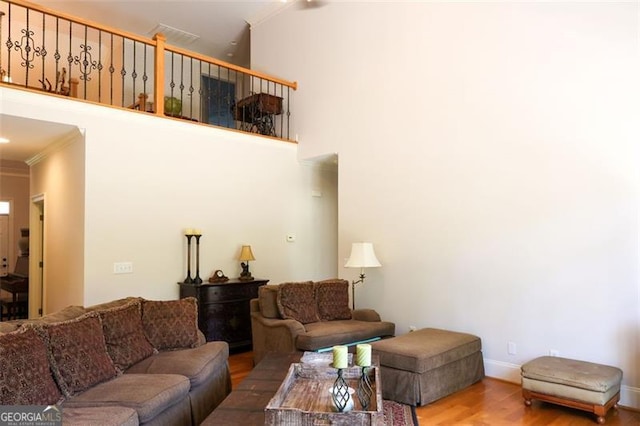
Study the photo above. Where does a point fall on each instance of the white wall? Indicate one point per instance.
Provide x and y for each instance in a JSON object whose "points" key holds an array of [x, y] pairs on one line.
{"points": [[148, 178], [489, 151], [58, 179]]}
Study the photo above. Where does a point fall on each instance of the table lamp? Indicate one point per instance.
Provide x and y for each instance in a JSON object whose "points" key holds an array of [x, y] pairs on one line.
{"points": [[245, 256], [362, 256]]}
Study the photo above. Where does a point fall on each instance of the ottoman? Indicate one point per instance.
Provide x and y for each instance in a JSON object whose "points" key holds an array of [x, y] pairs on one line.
{"points": [[577, 384], [428, 364]]}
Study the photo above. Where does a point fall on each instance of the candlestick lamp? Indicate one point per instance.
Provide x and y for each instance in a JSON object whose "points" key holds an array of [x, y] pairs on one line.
{"points": [[245, 256]]}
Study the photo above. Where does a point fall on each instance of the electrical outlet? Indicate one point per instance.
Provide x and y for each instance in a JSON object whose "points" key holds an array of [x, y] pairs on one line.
{"points": [[554, 352], [123, 268], [511, 348], [412, 328]]}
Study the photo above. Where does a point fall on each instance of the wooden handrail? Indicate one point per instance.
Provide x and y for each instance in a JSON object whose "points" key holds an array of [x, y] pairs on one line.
{"points": [[153, 42], [204, 58]]}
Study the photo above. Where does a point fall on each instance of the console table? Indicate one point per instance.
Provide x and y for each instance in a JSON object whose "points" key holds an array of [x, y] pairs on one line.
{"points": [[223, 310]]}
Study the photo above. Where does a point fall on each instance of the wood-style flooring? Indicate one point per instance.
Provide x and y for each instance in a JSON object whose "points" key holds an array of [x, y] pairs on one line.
{"points": [[487, 403]]}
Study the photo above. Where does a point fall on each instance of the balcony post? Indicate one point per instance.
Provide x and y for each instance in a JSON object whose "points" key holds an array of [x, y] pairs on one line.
{"points": [[158, 96]]}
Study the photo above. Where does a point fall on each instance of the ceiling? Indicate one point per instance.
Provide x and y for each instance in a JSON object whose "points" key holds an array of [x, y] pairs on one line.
{"points": [[29, 137], [222, 27]]}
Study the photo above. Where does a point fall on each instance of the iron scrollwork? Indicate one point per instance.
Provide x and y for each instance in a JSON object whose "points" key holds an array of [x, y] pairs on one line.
{"points": [[87, 64]]}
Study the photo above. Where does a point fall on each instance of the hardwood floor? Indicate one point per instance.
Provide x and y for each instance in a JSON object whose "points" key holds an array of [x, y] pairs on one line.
{"points": [[487, 403]]}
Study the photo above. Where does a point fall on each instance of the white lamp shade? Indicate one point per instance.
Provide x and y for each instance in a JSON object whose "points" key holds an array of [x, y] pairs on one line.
{"points": [[362, 256]]}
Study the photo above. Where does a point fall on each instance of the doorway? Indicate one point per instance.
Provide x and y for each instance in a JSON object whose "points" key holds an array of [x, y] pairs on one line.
{"points": [[36, 253], [5, 237]]}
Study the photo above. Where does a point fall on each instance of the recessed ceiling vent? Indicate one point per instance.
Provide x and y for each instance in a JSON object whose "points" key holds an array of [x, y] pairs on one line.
{"points": [[174, 35]]}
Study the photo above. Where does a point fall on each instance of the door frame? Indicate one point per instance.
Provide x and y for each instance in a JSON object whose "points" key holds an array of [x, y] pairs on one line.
{"points": [[11, 258], [37, 234]]}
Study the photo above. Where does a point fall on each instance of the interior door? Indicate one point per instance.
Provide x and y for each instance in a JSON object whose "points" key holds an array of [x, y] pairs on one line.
{"points": [[4, 245]]}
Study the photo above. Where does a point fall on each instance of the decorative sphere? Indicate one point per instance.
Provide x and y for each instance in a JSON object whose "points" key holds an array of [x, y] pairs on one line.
{"points": [[172, 106]]}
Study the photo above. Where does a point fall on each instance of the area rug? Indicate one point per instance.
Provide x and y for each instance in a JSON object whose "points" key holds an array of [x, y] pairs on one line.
{"points": [[396, 414]]}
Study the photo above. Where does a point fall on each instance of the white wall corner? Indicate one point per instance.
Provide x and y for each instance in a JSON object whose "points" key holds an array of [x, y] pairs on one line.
{"points": [[629, 396]]}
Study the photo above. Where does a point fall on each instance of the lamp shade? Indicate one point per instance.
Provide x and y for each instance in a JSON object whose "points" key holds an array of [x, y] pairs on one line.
{"points": [[246, 254], [362, 256]]}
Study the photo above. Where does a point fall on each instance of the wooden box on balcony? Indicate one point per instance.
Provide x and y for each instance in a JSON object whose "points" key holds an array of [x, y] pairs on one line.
{"points": [[255, 106]]}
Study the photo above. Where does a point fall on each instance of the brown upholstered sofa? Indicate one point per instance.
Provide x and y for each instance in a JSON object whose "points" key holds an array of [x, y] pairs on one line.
{"points": [[126, 362], [308, 316]]}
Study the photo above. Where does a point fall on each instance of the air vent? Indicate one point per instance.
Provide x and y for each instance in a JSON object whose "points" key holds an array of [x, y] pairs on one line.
{"points": [[174, 35]]}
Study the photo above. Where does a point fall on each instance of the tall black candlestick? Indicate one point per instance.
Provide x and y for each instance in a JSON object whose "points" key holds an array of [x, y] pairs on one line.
{"points": [[197, 279], [188, 280]]}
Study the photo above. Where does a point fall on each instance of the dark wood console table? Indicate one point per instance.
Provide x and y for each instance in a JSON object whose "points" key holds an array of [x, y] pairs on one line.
{"points": [[223, 310]]}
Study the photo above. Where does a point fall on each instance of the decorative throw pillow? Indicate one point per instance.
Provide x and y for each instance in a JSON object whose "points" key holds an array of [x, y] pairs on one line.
{"points": [[297, 301], [124, 335], [332, 297], [268, 301], [171, 324], [25, 376], [77, 353]]}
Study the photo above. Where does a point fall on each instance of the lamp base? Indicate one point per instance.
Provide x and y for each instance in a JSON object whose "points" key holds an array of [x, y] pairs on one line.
{"points": [[245, 278]]}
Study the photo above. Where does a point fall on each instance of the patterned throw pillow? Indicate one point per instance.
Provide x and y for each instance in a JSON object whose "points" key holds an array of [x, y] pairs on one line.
{"points": [[171, 324], [77, 353], [25, 377], [297, 301], [332, 297], [124, 335]]}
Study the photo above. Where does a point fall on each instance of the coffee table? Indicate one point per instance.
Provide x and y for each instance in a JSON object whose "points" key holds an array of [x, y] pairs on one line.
{"points": [[245, 404]]}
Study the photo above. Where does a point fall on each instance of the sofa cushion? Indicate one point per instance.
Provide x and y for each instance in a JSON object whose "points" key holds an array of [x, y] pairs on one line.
{"points": [[25, 376], [68, 313], [324, 334], [124, 335], [113, 304], [197, 364], [148, 394], [103, 416], [77, 353], [297, 301], [171, 324], [332, 297], [268, 300]]}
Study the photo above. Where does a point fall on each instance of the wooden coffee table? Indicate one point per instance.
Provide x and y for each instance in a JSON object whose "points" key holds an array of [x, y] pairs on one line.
{"points": [[245, 404]]}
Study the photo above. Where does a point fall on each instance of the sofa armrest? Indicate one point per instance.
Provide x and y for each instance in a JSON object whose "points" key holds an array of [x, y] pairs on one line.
{"points": [[273, 335], [201, 339], [368, 315]]}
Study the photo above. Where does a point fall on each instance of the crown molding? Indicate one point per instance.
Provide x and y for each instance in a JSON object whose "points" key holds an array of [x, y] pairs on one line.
{"points": [[56, 146]]}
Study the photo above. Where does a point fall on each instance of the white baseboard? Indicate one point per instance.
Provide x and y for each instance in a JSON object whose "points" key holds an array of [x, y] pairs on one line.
{"points": [[629, 396], [502, 370]]}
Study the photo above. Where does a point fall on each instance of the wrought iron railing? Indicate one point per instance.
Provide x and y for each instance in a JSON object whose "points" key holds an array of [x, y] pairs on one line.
{"points": [[59, 54]]}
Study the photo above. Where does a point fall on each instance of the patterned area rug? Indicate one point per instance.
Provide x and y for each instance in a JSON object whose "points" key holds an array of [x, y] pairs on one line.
{"points": [[396, 414]]}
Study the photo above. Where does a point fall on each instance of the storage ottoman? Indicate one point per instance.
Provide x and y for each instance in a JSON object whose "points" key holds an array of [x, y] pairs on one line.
{"points": [[428, 364], [577, 384]]}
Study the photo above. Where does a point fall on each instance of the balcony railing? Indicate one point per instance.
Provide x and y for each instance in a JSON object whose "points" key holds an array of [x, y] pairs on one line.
{"points": [[59, 54]]}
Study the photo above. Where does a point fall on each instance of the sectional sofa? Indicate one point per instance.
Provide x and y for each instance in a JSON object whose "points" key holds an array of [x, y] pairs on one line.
{"points": [[127, 362]]}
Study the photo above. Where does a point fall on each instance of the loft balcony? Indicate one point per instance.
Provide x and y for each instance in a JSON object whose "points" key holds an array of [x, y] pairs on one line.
{"points": [[61, 55]]}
